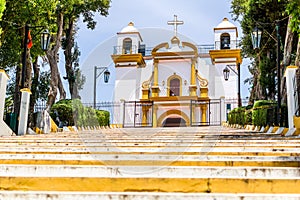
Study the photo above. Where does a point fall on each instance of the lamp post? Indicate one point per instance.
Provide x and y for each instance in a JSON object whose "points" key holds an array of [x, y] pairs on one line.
{"points": [[256, 38], [106, 73], [22, 114], [226, 72], [45, 41]]}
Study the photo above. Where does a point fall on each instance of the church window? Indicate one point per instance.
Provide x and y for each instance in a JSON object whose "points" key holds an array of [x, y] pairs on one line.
{"points": [[225, 41], [127, 46], [174, 87]]}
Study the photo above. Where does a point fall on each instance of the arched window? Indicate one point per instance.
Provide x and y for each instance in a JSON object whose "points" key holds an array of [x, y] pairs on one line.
{"points": [[127, 46], [174, 87], [225, 41]]}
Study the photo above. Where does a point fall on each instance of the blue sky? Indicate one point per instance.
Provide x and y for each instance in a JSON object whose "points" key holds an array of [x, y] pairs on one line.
{"points": [[199, 16]]}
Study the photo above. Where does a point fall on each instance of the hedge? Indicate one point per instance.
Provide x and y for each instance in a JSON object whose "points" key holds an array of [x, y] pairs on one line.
{"points": [[71, 112], [240, 115], [264, 113]]}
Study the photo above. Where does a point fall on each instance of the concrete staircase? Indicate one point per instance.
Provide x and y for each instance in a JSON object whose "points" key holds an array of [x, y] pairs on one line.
{"points": [[162, 163]]}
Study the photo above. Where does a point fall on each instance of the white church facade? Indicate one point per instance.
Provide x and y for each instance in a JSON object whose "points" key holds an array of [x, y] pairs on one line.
{"points": [[175, 84]]}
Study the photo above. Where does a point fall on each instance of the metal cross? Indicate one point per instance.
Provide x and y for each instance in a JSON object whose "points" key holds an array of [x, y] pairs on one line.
{"points": [[175, 23]]}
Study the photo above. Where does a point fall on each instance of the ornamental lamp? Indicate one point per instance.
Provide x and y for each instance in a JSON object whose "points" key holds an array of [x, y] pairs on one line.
{"points": [[256, 37], [45, 40]]}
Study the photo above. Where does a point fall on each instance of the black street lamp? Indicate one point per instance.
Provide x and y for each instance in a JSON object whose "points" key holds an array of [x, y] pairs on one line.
{"points": [[45, 40], [106, 74], [226, 72], [256, 38]]}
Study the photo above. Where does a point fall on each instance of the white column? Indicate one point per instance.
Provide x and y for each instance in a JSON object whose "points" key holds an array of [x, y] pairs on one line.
{"points": [[122, 112], [23, 116], [223, 109], [4, 129], [290, 90]]}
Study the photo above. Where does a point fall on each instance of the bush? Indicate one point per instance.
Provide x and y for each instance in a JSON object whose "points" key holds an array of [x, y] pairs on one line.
{"points": [[69, 112], [264, 113], [237, 116]]}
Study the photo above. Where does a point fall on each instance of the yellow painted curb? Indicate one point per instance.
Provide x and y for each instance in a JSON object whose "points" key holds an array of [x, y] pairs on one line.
{"points": [[197, 185]]}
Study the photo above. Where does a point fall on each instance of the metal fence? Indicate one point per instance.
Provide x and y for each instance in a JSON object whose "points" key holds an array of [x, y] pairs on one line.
{"points": [[114, 108], [213, 112], [135, 111]]}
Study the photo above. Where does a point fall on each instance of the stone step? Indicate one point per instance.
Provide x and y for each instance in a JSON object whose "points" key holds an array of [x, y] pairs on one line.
{"points": [[191, 163], [47, 195], [230, 152], [148, 171], [149, 142], [144, 157], [152, 149], [263, 163]]}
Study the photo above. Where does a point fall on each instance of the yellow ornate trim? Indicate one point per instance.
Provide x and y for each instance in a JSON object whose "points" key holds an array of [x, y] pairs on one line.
{"points": [[174, 98], [203, 82], [165, 115], [146, 84], [26, 90], [162, 45], [191, 46], [180, 84], [225, 53], [289, 67], [127, 58], [175, 40]]}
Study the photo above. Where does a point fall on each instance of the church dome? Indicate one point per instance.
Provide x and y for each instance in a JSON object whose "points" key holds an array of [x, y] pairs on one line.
{"points": [[225, 24], [129, 29]]}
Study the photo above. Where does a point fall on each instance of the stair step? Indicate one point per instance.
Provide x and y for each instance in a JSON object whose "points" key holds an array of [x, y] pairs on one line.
{"points": [[147, 171], [46, 195]]}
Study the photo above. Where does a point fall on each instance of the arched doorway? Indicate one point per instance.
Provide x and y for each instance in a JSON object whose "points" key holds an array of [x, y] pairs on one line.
{"points": [[173, 118], [174, 122]]}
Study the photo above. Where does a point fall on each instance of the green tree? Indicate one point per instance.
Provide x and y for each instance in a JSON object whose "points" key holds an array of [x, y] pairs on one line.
{"points": [[2, 7], [72, 12], [264, 14], [35, 13]]}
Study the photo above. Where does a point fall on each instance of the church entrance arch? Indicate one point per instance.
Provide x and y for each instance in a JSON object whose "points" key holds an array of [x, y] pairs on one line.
{"points": [[174, 121], [173, 118]]}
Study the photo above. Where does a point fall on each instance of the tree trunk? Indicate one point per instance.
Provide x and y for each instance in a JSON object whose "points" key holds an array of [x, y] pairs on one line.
{"points": [[62, 92], [17, 94], [28, 70], [297, 60], [288, 44], [33, 97], [52, 59], [69, 60]]}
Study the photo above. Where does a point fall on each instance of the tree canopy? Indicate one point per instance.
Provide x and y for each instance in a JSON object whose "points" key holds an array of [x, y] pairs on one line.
{"points": [[266, 14]]}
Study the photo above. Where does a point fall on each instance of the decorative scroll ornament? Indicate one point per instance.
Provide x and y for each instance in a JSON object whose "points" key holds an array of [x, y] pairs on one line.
{"points": [[203, 82], [146, 84]]}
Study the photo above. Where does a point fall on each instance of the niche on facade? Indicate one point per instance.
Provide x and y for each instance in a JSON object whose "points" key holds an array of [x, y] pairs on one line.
{"points": [[225, 41]]}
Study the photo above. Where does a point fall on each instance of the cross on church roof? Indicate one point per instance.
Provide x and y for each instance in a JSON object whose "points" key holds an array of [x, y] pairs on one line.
{"points": [[175, 23]]}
